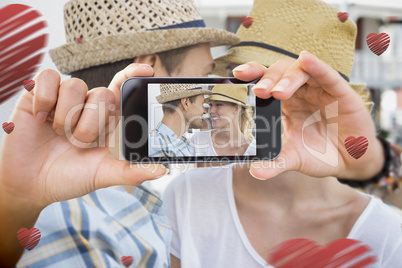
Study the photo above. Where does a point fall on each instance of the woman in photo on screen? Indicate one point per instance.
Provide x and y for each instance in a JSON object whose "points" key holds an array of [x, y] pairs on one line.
{"points": [[232, 124]]}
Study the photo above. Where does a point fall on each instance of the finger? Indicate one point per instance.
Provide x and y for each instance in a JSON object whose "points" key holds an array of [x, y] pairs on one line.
{"points": [[271, 77], [249, 71], [286, 161], [94, 116], [72, 94], [323, 74], [133, 70], [287, 79], [114, 172], [46, 91]]}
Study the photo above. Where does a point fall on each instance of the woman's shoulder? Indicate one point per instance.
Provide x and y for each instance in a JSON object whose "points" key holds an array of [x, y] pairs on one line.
{"points": [[379, 227]]}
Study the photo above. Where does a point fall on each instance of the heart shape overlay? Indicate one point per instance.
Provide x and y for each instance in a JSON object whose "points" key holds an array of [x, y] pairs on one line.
{"points": [[343, 16], [304, 253], [79, 40], [247, 21], [356, 147], [127, 260], [21, 43], [28, 238], [378, 44], [8, 127], [29, 84]]}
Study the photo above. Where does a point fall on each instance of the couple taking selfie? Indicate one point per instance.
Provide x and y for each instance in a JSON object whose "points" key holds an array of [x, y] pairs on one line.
{"points": [[92, 209], [182, 106]]}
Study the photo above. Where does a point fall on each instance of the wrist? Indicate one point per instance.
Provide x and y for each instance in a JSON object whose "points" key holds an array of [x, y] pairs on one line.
{"points": [[18, 205], [376, 164], [14, 215], [377, 169]]}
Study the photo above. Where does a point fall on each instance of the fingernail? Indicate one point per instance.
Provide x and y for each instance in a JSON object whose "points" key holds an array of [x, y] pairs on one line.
{"points": [[42, 116], [255, 176], [146, 66], [301, 54], [263, 84], [280, 87], [241, 68], [160, 176]]}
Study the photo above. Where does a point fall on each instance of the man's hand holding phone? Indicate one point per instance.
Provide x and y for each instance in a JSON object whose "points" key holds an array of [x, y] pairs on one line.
{"points": [[45, 160]]}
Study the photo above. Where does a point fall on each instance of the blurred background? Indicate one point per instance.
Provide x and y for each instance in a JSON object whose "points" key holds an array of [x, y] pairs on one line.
{"points": [[382, 74]]}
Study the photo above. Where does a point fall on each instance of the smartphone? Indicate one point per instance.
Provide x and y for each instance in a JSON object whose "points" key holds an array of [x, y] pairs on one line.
{"points": [[189, 120]]}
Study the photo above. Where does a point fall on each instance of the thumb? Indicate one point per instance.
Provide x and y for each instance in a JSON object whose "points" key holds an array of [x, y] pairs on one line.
{"points": [[269, 169], [132, 70], [115, 172]]}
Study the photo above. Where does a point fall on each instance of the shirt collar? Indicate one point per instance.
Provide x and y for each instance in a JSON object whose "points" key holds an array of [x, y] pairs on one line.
{"points": [[167, 131]]}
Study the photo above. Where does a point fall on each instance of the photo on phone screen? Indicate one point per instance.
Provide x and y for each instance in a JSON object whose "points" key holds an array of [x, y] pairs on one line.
{"points": [[197, 120]]}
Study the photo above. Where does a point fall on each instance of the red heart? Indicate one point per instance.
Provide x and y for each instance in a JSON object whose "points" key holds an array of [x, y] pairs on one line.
{"points": [[29, 84], [79, 40], [304, 253], [28, 238], [356, 147], [8, 127], [343, 16], [20, 46], [247, 21], [378, 43], [127, 260]]}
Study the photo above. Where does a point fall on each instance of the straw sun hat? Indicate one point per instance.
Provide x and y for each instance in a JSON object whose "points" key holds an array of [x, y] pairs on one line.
{"points": [[284, 28], [171, 92], [114, 30], [235, 93]]}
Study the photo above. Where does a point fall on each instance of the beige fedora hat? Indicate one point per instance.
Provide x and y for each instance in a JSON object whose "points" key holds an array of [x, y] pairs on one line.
{"points": [[114, 30], [171, 92], [235, 93], [284, 28]]}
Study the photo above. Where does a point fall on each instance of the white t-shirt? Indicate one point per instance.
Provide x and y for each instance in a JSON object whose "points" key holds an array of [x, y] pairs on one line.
{"points": [[207, 231], [203, 146]]}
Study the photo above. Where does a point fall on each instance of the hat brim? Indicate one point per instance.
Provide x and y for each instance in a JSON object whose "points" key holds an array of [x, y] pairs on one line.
{"points": [[223, 98], [93, 52], [234, 55], [182, 94]]}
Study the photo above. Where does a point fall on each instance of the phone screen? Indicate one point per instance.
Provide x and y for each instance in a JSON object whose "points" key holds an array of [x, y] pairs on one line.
{"points": [[185, 120]]}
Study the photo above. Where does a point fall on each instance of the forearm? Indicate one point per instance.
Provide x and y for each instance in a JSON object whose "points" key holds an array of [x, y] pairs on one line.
{"points": [[14, 215]]}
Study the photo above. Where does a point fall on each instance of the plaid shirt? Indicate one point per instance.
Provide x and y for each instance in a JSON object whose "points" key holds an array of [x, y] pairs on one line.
{"points": [[164, 142], [98, 229]]}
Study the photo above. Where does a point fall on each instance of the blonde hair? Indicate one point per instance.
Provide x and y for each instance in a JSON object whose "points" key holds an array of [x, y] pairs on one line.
{"points": [[365, 95], [246, 121]]}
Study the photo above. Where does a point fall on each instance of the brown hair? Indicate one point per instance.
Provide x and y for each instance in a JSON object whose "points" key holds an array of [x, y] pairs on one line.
{"points": [[102, 75]]}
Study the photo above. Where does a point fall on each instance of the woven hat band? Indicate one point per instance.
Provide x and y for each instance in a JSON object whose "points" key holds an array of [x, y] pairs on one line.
{"points": [[189, 24], [196, 88], [275, 49], [226, 96]]}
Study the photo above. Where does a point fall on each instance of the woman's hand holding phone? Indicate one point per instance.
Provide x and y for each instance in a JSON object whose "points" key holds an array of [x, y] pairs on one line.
{"points": [[305, 86]]}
